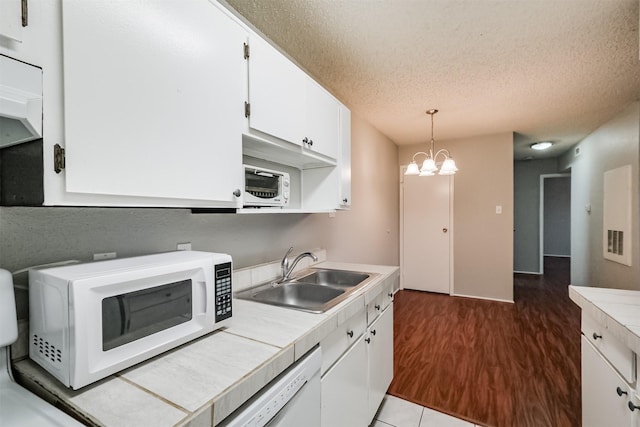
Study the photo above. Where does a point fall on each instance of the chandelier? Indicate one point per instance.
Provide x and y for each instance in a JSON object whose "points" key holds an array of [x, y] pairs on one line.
{"points": [[429, 166]]}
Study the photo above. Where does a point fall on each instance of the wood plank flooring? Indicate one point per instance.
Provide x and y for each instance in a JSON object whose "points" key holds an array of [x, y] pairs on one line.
{"points": [[492, 363]]}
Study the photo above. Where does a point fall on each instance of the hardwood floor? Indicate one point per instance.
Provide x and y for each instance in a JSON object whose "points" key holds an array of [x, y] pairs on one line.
{"points": [[493, 363]]}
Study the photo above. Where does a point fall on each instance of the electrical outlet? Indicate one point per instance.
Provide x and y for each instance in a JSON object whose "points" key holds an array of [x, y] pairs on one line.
{"points": [[498, 209], [184, 246], [105, 255]]}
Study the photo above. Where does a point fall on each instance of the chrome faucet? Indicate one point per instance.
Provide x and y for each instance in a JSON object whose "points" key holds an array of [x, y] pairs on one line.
{"points": [[284, 264]]}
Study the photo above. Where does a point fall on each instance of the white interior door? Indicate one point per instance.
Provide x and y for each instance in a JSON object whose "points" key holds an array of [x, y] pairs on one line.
{"points": [[426, 212]]}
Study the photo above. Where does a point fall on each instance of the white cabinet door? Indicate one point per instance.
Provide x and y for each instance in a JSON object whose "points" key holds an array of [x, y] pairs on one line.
{"points": [[11, 19], [277, 93], [154, 98], [344, 390], [345, 158], [322, 122], [380, 356], [605, 394]]}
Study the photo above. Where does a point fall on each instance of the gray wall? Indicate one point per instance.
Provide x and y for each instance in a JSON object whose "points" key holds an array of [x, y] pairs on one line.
{"points": [[368, 233], [557, 216], [614, 144], [526, 217]]}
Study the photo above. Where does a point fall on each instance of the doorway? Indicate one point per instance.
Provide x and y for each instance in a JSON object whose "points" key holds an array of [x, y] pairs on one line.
{"points": [[555, 216], [426, 233]]}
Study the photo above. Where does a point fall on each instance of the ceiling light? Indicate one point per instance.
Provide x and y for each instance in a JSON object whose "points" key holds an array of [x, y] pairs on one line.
{"points": [[429, 166], [543, 145]]}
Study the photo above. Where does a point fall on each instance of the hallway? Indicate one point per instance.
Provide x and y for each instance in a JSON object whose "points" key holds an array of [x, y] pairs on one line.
{"points": [[493, 363]]}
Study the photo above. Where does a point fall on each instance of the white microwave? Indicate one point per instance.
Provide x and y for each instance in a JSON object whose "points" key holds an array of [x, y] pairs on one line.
{"points": [[88, 321], [265, 187]]}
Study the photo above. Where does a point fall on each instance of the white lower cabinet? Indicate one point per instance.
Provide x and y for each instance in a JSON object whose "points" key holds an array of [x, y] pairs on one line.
{"points": [[605, 395], [380, 359], [354, 386], [344, 389]]}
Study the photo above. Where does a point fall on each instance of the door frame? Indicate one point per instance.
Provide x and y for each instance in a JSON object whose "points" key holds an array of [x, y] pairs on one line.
{"points": [[403, 168], [541, 216]]}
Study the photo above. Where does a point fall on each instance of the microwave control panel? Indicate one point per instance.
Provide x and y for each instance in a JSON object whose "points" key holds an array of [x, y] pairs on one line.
{"points": [[223, 291]]}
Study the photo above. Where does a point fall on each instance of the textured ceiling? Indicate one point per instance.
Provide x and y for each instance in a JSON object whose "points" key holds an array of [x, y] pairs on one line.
{"points": [[544, 69]]}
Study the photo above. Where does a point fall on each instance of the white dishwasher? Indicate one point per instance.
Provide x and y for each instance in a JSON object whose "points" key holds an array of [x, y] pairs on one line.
{"points": [[291, 400]]}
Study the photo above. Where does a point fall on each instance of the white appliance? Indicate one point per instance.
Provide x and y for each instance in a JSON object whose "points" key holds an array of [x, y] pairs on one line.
{"points": [[88, 321], [19, 407], [20, 102], [290, 400], [265, 187]]}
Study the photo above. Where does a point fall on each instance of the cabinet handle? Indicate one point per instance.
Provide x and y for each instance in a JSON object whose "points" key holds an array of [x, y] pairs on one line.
{"points": [[620, 391], [350, 333], [373, 332], [596, 336], [377, 306], [237, 192], [368, 340], [633, 407]]}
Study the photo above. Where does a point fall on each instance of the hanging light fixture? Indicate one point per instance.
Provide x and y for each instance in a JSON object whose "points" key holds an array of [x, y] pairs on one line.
{"points": [[429, 166]]}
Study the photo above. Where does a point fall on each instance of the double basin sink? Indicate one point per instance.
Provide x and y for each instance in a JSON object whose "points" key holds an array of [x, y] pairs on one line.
{"points": [[313, 290]]}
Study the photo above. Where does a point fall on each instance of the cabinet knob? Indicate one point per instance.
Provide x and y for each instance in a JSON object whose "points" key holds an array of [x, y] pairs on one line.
{"points": [[350, 333], [444, 230], [620, 391], [237, 192], [633, 407], [377, 306], [368, 340], [345, 200], [311, 142], [390, 294], [373, 332], [596, 336], [305, 140]]}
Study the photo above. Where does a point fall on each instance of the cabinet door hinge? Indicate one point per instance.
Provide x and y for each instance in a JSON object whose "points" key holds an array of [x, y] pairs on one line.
{"points": [[247, 109], [58, 158], [25, 13], [246, 51]]}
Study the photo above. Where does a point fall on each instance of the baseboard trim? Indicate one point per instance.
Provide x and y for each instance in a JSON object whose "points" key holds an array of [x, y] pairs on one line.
{"points": [[557, 256], [528, 272], [484, 298]]}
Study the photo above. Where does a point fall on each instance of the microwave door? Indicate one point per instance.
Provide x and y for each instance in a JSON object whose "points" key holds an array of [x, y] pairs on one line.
{"points": [[135, 315]]}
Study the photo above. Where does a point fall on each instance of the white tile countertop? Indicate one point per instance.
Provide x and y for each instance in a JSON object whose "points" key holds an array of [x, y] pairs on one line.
{"points": [[617, 309], [202, 382]]}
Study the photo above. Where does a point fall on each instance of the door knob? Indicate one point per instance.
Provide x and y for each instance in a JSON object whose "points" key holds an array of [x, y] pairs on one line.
{"points": [[444, 230]]}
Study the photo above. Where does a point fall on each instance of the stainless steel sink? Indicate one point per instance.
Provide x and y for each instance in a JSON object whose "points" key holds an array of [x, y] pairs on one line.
{"points": [[313, 290], [338, 278]]}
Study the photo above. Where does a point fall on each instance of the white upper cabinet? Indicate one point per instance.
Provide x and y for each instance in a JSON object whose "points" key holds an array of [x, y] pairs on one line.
{"points": [[322, 132], [344, 196], [12, 19], [276, 93], [288, 105], [153, 97]]}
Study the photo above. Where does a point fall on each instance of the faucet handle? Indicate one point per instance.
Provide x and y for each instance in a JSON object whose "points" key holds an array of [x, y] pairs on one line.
{"points": [[288, 252]]}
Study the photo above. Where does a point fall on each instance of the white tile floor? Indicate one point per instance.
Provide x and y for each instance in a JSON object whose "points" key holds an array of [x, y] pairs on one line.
{"points": [[395, 412]]}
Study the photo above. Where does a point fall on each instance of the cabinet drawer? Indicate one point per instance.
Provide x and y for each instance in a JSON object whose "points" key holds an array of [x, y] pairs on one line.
{"points": [[618, 354], [379, 303], [336, 343]]}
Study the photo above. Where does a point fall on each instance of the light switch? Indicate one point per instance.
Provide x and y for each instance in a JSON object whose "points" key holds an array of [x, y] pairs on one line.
{"points": [[498, 209]]}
